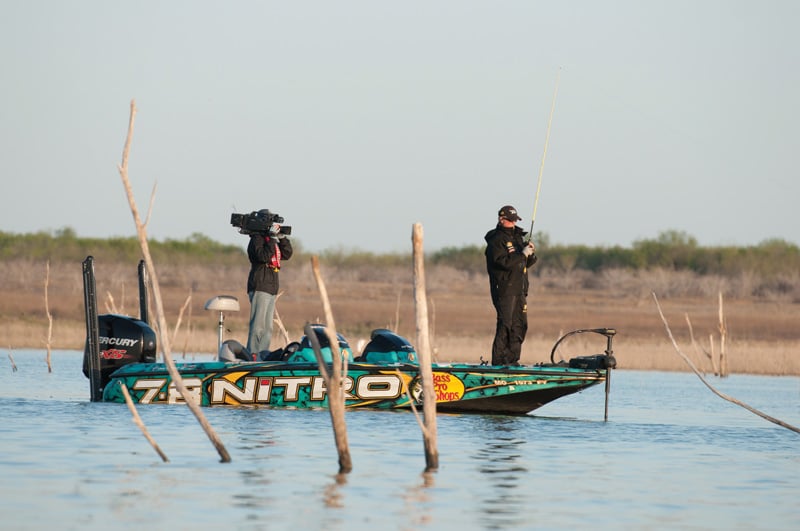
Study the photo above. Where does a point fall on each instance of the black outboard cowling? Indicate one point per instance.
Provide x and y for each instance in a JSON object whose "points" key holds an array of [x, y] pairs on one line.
{"points": [[122, 340], [387, 347]]}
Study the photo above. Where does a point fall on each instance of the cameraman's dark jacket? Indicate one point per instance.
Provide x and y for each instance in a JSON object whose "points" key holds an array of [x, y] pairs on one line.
{"points": [[505, 263], [263, 272]]}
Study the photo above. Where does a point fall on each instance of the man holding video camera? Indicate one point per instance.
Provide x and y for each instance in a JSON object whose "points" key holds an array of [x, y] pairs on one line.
{"points": [[266, 251]]}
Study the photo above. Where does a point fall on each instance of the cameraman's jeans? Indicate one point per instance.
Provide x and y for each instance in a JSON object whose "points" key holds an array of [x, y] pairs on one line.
{"points": [[262, 309]]}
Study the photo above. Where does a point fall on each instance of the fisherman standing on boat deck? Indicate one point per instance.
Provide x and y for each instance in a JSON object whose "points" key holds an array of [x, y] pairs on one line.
{"points": [[266, 252], [508, 258]]}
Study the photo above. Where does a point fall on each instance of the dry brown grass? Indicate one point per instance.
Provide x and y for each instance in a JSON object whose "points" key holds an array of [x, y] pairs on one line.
{"points": [[763, 336]]}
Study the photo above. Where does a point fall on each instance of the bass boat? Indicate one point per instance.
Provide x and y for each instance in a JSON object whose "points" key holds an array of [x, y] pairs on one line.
{"points": [[121, 350]]}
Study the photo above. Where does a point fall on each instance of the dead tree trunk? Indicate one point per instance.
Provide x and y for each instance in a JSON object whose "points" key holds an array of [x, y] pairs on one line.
{"points": [[424, 352], [723, 331], [163, 331], [334, 381]]}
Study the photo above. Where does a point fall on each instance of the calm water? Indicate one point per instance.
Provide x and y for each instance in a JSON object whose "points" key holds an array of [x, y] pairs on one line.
{"points": [[672, 455]]}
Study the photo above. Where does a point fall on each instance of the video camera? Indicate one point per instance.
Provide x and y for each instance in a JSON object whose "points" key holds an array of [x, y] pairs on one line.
{"points": [[258, 222]]}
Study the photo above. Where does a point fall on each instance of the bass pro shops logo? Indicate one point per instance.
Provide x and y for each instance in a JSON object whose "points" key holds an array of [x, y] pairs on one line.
{"points": [[448, 388]]}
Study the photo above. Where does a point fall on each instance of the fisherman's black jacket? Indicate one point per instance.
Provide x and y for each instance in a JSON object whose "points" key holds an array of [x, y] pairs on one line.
{"points": [[505, 263]]}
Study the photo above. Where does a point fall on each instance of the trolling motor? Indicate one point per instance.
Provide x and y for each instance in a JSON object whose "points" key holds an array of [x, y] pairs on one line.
{"points": [[596, 362], [112, 340]]}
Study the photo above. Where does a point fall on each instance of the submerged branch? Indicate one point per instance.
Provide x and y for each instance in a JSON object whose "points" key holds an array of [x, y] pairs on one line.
{"points": [[334, 380], [711, 387], [49, 339], [407, 392], [138, 421], [163, 331], [429, 434]]}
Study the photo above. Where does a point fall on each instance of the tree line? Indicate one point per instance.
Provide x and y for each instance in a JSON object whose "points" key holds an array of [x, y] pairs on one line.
{"points": [[670, 250]]}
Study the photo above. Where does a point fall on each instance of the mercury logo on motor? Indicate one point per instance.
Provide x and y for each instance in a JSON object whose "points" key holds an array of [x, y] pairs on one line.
{"points": [[119, 341]]}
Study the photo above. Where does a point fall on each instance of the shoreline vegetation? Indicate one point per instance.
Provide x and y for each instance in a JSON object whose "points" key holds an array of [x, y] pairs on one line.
{"points": [[572, 287]]}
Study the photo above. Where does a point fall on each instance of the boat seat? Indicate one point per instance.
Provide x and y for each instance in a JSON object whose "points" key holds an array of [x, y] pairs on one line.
{"points": [[282, 354], [386, 347], [231, 351]]}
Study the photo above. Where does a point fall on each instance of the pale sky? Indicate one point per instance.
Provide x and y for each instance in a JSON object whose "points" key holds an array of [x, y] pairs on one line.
{"points": [[356, 119]]}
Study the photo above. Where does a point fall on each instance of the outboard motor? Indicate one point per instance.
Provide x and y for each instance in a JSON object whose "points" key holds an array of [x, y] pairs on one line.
{"points": [[113, 341], [387, 347], [122, 340]]}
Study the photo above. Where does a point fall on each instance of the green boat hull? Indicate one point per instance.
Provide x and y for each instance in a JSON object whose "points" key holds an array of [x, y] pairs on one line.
{"points": [[458, 387]]}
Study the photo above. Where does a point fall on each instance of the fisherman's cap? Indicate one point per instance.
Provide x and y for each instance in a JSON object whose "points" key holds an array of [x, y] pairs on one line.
{"points": [[510, 213]]}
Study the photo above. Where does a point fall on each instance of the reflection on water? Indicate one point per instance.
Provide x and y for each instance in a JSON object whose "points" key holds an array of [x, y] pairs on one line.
{"points": [[417, 500], [332, 494], [671, 456], [500, 460]]}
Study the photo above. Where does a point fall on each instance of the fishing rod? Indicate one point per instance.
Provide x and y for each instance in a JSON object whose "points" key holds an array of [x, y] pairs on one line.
{"points": [[544, 155]]}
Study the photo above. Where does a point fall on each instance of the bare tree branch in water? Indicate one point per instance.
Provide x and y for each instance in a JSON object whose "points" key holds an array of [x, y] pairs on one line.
{"points": [[163, 331], [711, 387], [139, 422], [49, 339], [334, 382], [429, 434]]}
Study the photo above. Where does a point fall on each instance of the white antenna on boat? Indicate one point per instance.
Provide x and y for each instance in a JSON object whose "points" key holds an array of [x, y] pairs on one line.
{"points": [[222, 303]]}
